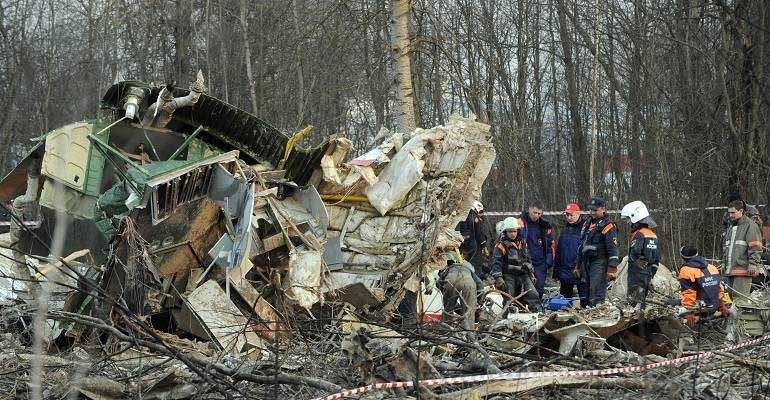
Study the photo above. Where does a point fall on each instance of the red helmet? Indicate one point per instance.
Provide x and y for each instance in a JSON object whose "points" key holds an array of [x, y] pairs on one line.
{"points": [[572, 208]]}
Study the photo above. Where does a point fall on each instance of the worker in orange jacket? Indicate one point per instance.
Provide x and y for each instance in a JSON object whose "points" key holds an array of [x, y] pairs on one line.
{"points": [[700, 281]]}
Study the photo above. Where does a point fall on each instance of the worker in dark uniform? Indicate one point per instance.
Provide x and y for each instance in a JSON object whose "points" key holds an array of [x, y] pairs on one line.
{"points": [[475, 246], [541, 247], [566, 254], [643, 252], [511, 267], [598, 251]]}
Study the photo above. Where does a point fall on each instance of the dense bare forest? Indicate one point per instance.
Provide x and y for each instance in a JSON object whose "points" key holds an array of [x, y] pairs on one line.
{"points": [[664, 101]]}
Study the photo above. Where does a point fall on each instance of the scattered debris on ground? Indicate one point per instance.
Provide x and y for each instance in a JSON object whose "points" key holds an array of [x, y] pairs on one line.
{"points": [[200, 253]]}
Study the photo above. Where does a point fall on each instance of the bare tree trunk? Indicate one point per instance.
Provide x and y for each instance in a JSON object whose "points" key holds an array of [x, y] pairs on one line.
{"points": [[247, 56], [183, 38], [594, 104], [560, 176], [400, 46], [521, 67], [208, 45], [543, 182], [578, 141], [371, 60], [300, 96], [224, 64]]}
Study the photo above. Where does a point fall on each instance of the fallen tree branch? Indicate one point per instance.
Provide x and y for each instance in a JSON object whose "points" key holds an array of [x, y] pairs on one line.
{"points": [[199, 363], [761, 364]]}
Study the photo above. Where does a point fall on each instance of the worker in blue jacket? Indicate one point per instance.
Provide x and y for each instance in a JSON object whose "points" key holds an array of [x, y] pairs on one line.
{"points": [[540, 245], [566, 255]]}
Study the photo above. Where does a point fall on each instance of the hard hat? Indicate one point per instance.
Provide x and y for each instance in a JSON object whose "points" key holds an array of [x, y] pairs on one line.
{"points": [[635, 211], [499, 228], [511, 223], [477, 206]]}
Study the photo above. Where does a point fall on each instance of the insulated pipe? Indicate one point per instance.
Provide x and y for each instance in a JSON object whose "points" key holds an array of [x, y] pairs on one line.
{"points": [[133, 97], [131, 105], [159, 114]]}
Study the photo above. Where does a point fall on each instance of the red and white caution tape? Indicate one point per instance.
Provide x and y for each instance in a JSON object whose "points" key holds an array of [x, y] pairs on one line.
{"points": [[545, 374], [654, 210]]}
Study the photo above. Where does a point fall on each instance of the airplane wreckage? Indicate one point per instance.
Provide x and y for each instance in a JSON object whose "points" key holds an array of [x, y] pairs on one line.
{"points": [[185, 202], [179, 214]]}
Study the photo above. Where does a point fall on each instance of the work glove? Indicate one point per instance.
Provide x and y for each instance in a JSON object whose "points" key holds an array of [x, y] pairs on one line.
{"points": [[500, 283], [485, 252], [753, 270], [691, 319], [612, 273], [722, 308]]}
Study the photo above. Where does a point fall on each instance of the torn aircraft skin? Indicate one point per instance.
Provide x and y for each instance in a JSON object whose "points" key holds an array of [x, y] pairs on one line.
{"points": [[171, 189]]}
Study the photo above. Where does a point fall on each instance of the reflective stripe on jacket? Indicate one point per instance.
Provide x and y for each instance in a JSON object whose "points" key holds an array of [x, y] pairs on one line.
{"points": [[742, 244], [510, 257], [700, 281], [601, 234], [643, 248]]}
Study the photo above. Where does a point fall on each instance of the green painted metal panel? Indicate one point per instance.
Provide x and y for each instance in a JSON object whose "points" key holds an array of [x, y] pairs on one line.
{"points": [[96, 160]]}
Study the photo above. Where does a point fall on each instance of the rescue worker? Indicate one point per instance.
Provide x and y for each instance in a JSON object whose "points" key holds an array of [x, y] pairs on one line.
{"points": [[511, 267], [538, 233], [749, 210], [598, 251], [742, 250], [475, 246], [566, 254], [460, 287], [643, 252], [700, 281]]}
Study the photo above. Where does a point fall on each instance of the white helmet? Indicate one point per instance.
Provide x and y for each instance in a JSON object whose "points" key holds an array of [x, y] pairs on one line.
{"points": [[635, 211], [511, 224], [477, 206], [499, 228]]}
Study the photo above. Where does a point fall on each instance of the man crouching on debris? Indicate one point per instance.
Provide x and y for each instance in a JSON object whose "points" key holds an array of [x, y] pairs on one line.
{"points": [[700, 281], [460, 287], [511, 267]]}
